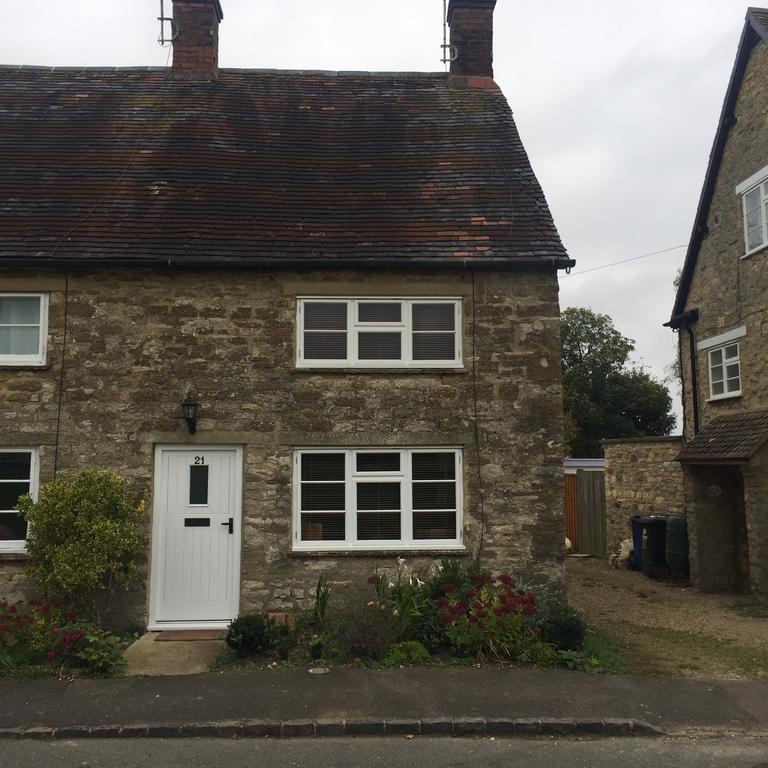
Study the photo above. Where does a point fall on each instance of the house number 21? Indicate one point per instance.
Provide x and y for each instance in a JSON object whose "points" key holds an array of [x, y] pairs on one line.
{"points": [[199, 459]]}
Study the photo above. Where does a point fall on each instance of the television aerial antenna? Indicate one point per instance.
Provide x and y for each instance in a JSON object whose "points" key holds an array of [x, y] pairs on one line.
{"points": [[166, 23], [450, 52]]}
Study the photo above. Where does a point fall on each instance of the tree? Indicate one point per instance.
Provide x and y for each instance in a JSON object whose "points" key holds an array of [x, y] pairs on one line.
{"points": [[604, 395]]}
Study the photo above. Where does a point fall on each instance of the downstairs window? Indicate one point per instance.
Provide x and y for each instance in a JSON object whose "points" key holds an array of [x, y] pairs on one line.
{"points": [[377, 498]]}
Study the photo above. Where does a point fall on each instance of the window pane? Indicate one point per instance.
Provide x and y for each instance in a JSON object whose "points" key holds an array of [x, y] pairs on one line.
{"points": [[322, 528], [378, 462], [20, 310], [325, 346], [434, 495], [434, 317], [716, 357], [319, 497], [15, 466], [755, 238], [434, 346], [378, 496], [379, 346], [325, 316], [10, 493], [198, 484], [718, 388], [19, 341], [752, 200], [434, 466], [378, 526], [732, 371], [322, 466], [732, 352], [434, 525], [13, 528], [717, 373], [379, 312], [733, 385]]}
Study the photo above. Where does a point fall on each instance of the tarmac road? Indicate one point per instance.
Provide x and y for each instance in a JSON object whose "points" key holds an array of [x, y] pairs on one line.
{"points": [[721, 752]]}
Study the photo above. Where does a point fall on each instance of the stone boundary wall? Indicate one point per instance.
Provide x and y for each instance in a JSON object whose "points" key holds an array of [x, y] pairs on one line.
{"points": [[642, 477]]}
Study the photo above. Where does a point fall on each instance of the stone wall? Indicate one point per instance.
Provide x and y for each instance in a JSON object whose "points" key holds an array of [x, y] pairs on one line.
{"points": [[642, 477], [730, 291], [137, 341]]}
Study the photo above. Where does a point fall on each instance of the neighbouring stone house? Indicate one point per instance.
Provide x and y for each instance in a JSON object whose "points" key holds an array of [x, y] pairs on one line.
{"points": [[354, 276], [721, 315]]}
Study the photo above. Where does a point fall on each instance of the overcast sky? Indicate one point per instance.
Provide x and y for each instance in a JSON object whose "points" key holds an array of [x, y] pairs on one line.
{"points": [[617, 104]]}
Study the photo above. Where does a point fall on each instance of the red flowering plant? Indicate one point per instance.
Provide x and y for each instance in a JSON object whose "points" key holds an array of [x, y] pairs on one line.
{"points": [[487, 619], [24, 628]]}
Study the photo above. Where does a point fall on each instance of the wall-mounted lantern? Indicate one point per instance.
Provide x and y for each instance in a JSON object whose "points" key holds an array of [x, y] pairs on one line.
{"points": [[189, 407]]}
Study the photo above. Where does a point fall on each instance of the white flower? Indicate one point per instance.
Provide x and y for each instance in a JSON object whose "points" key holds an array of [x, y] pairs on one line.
{"points": [[391, 584], [439, 566], [401, 561], [395, 612], [419, 581]]}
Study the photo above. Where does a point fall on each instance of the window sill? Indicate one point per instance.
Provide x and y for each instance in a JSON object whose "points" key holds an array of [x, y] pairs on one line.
{"points": [[755, 252], [25, 366], [14, 557], [720, 398], [444, 552], [383, 371]]}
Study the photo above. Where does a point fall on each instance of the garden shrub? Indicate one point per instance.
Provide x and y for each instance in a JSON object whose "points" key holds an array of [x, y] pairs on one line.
{"points": [[85, 534], [427, 628], [562, 627], [488, 619], [50, 634], [409, 652], [362, 632], [251, 634]]}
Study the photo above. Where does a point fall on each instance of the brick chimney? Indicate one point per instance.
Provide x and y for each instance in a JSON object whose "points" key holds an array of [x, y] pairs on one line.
{"points": [[471, 23], [196, 46]]}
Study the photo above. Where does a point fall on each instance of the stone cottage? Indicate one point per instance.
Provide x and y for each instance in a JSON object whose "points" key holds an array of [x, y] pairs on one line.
{"points": [[349, 279], [721, 316]]}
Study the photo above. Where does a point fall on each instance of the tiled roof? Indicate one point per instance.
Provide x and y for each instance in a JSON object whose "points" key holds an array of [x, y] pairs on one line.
{"points": [[134, 166], [759, 18], [729, 438]]}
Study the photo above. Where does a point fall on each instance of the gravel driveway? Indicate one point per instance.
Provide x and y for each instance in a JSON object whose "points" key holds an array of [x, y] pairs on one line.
{"points": [[663, 628]]}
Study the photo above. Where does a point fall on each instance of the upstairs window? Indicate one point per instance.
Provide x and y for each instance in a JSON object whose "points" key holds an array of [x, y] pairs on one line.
{"points": [[377, 498], [754, 192], [23, 328], [379, 333], [724, 372], [18, 476]]}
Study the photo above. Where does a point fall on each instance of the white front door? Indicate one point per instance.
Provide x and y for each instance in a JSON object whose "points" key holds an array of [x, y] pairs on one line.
{"points": [[196, 536]]}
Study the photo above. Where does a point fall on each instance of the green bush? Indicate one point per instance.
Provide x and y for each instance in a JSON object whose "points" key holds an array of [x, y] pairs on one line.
{"points": [[250, 635], [362, 632], [409, 652], [562, 627], [85, 534], [427, 629]]}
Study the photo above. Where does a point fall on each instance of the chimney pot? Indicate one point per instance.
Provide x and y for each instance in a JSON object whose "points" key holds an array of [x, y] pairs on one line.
{"points": [[196, 45], [471, 23]]}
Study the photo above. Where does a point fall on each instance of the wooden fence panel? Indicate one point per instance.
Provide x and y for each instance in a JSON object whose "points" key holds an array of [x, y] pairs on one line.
{"points": [[592, 523], [571, 512]]}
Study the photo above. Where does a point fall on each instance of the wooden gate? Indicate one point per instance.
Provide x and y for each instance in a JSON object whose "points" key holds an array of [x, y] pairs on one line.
{"points": [[590, 512], [571, 512]]}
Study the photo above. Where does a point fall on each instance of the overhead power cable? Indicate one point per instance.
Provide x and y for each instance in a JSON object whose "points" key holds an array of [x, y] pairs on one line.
{"points": [[626, 261]]}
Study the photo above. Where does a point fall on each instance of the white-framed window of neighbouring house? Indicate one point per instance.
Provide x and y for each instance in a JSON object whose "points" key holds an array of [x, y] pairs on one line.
{"points": [[377, 498], [724, 371], [23, 328], [754, 197], [18, 476], [379, 332]]}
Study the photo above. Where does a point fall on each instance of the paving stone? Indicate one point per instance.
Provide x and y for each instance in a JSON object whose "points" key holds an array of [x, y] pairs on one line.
{"points": [[403, 727], [436, 727], [260, 729], [500, 727], [364, 728], [329, 728], [298, 728], [469, 726]]}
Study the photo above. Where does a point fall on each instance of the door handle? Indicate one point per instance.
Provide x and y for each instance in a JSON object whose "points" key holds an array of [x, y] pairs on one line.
{"points": [[230, 525]]}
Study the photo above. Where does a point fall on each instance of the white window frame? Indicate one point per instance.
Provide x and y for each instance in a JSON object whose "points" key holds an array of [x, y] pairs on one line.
{"points": [[405, 327], [756, 181], [352, 476], [39, 358], [18, 546], [726, 395]]}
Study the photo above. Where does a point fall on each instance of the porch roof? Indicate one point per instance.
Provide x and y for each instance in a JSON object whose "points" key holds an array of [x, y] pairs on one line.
{"points": [[736, 437]]}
